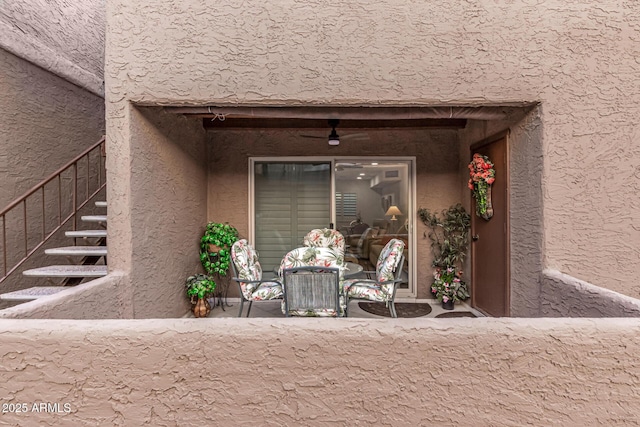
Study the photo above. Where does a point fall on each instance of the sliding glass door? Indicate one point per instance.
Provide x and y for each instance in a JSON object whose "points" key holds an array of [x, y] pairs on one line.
{"points": [[369, 200], [290, 198]]}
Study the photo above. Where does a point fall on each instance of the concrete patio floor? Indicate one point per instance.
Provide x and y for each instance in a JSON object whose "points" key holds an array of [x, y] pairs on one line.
{"points": [[272, 309]]}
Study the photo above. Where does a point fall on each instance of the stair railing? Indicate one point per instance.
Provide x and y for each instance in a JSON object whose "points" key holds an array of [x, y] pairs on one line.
{"points": [[21, 203]]}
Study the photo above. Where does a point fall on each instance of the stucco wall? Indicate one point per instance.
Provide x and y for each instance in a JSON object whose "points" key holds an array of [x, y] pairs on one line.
{"points": [[437, 181], [45, 122], [562, 295], [102, 298], [168, 210], [246, 372], [65, 38], [578, 59]]}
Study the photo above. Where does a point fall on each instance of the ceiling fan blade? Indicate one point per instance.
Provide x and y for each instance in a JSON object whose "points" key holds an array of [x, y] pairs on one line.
{"points": [[313, 136], [356, 136]]}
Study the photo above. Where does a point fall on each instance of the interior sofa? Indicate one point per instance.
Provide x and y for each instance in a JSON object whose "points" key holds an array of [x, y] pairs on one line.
{"points": [[359, 245]]}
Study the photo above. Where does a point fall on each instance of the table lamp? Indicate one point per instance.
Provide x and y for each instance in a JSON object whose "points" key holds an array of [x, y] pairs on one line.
{"points": [[393, 211]]}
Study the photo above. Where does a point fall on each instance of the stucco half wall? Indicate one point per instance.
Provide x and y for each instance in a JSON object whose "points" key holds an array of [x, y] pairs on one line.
{"points": [[363, 372]]}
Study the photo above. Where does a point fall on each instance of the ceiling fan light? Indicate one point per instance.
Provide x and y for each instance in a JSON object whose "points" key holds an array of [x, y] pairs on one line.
{"points": [[334, 139]]}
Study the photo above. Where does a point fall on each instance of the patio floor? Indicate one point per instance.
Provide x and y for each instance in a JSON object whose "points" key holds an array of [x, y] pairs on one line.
{"points": [[272, 309]]}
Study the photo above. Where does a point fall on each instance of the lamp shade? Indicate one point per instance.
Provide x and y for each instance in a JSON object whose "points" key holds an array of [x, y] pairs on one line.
{"points": [[393, 210]]}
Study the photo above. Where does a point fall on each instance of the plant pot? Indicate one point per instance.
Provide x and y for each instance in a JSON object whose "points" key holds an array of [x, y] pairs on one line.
{"points": [[447, 305], [202, 308]]}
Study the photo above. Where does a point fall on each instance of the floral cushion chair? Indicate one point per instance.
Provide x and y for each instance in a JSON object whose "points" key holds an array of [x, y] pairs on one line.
{"points": [[314, 257], [387, 277], [247, 274], [325, 238]]}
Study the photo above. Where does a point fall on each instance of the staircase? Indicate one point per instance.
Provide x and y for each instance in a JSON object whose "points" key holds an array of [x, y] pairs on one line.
{"points": [[83, 259]]}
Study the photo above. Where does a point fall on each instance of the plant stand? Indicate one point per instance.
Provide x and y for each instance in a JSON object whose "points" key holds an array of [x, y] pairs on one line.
{"points": [[220, 295]]}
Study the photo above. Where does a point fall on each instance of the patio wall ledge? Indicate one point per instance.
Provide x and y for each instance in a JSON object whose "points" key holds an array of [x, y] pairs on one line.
{"points": [[101, 298], [566, 296], [306, 371]]}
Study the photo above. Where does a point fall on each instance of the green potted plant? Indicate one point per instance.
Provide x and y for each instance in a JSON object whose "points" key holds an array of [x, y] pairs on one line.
{"points": [[215, 251], [199, 288], [448, 287], [449, 237]]}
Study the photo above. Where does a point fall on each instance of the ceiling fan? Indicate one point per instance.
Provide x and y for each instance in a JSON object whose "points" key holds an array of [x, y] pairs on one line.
{"points": [[334, 138]]}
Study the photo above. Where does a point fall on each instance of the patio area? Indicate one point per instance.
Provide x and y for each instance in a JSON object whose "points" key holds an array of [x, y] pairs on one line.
{"points": [[271, 309]]}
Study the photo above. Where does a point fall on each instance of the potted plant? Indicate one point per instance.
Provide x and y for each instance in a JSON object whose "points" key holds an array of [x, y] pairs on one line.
{"points": [[199, 288], [449, 237], [448, 287], [215, 251]]}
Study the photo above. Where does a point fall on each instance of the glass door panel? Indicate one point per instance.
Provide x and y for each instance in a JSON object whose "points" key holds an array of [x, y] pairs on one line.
{"points": [[291, 198], [373, 200]]}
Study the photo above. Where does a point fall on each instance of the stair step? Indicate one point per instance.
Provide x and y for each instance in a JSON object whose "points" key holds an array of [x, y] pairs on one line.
{"points": [[32, 293], [101, 204], [86, 233], [94, 218], [68, 271], [78, 251]]}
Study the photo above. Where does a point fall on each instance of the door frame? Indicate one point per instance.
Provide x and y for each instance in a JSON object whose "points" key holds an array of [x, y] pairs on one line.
{"points": [[412, 290], [507, 264]]}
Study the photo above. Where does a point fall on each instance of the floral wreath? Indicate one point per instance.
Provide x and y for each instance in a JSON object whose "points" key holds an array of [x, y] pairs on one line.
{"points": [[482, 175]]}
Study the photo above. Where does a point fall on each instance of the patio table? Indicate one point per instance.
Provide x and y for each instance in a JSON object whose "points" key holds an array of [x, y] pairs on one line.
{"points": [[352, 269]]}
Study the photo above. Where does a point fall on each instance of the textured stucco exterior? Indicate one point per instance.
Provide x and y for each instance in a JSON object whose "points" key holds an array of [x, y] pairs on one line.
{"points": [[562, 295], [45, 121], [65, 38], [51, 109], [365, 372], [388, 53]]}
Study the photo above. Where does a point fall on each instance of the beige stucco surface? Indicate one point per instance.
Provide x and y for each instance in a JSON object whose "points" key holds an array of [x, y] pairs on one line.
{"points": [[102, 298], [65, 38], [157, 192], [245, 372], [45, 122], [577, 59]]}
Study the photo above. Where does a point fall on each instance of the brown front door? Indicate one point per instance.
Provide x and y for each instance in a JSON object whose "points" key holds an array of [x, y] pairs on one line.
{"points": [[490, 238]]}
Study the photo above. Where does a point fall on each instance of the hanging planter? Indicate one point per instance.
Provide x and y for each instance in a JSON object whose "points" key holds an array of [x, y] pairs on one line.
{"points": [[482, 175]]}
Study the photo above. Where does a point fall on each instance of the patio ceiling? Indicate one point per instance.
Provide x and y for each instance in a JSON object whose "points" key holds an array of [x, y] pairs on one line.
{"points": [[362, 117]]}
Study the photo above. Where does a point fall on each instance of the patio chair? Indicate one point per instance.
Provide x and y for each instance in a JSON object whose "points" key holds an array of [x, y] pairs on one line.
{"points": [[326, 258], [387, 277], [247, 273], [312, 256], [325, 238], [311, 291]]}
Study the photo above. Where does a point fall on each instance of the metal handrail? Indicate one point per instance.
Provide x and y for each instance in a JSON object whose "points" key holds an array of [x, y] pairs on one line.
{"points": [[61, 222]]}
